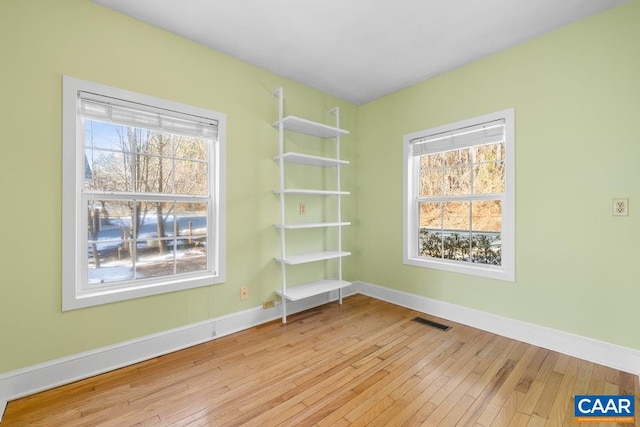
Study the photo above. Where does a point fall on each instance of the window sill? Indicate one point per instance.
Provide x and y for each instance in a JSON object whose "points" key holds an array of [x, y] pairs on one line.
{"points": [[93, 297], [488, 271]]}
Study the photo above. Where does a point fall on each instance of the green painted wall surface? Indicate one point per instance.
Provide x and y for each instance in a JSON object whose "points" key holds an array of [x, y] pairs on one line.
{"points": [[42, 40], [576, 94]]}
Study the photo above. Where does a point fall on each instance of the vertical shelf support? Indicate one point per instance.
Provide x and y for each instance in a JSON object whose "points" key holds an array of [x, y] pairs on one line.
{"points": [[336, 112], [279, 93]]}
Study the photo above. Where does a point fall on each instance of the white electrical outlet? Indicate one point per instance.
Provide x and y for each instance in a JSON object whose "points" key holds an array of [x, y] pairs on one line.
{"points": [[620, 207]]}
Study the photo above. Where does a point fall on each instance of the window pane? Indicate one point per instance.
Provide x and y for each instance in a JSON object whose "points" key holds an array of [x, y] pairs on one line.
{"points": [[430, 233], [109, 221], [431, 175], [107, 170], [431, 215], [457, 180], [109, 242], [154, 222], [125, 139], [191, 177], [155, 240], [190, 148], [113, 272], [456, 216], [457, 157], [487, 216], [106, 136], [431, 181], [456, 221], [154, 174], [192, 257], [456, 245], [488, 178], [155, 258], [192, 223], [487, 225], [192, 237], [153, 143], [119, 215], [489, 153]]}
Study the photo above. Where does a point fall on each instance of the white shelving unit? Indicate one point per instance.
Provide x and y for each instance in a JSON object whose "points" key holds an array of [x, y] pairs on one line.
{"points": [[324, 132]]}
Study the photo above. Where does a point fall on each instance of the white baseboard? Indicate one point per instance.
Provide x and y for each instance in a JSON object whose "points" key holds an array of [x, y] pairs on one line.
{"points": [[600, 352], [32, 379], [43, 376]]}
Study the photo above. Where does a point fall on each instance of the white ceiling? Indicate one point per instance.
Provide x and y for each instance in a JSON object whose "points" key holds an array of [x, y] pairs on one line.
{"points": [[359, 50]]}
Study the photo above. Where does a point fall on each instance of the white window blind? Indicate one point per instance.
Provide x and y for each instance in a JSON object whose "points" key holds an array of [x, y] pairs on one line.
{"points": [[113, 110], [481, 134]]}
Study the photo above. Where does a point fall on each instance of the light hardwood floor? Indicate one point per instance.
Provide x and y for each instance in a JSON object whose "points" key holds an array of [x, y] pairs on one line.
{"points": [[364, 363]]}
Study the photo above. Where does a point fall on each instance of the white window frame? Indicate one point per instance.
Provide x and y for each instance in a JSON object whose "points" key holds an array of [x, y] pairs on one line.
{"points": [[506, 271], [75, 290]]}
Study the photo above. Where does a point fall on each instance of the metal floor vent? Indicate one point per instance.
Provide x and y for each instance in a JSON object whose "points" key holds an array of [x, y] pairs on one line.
{"points": [[431, 323]]}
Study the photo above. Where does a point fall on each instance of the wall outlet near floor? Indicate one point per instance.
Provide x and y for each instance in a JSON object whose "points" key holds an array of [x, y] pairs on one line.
{"points": [[268, 304], [303, 208], [620, 207], [244, 293]]}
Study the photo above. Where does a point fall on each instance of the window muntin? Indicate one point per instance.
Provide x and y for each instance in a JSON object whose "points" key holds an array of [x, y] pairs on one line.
{"points": [[459, 197], [145, 200]]}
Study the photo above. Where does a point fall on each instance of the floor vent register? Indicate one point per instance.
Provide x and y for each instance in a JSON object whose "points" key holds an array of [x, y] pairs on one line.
{"points": [[431, 323]]}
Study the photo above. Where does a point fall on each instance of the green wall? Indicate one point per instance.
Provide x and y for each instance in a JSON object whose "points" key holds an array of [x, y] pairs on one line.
{"points": [[42, 40], [576, 94], [577, 98]]}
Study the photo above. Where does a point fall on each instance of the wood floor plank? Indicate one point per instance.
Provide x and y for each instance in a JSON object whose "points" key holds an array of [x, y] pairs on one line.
{"points": [[505, 381], [549, 393], [490, 373], [410, 409], [530, 374], [520, 420], [363, 363], [509, 409], [565, 393], [455, 398], [457, 411], [531, 398]]}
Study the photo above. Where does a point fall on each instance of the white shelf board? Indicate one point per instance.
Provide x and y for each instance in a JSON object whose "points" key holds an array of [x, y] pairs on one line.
{"points": [[313, 192], [307, 290], [311, 225], [309, 160], [307, 127], [312, 257]]}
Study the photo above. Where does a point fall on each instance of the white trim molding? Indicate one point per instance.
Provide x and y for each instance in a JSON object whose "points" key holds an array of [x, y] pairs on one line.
{"points": [[600, 352]]}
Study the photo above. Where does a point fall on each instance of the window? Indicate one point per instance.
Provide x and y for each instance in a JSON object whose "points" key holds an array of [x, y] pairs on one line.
{"points": [[459, 197], [143, 195]]}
